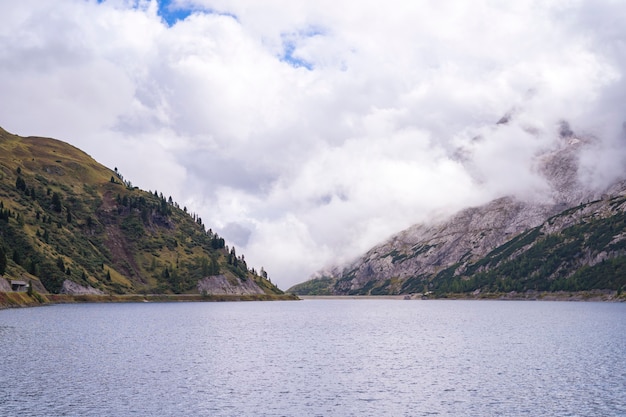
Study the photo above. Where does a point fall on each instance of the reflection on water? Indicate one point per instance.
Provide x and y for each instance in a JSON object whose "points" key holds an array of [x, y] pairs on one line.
{"points": [[315, 357]]}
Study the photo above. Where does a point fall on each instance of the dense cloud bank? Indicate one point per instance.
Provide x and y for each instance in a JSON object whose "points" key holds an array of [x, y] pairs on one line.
{"points": [[305, 132]]}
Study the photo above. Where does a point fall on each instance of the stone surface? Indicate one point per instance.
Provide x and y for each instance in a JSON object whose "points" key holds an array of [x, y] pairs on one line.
{"points": [[220, 285], [70, 287], [5, 286]]}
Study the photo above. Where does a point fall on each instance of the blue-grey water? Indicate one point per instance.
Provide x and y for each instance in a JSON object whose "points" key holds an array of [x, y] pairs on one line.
{"points": [[315, 358]]}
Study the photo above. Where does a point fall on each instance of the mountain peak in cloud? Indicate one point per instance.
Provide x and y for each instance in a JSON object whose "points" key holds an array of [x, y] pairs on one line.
{"points": [[324, 128]]}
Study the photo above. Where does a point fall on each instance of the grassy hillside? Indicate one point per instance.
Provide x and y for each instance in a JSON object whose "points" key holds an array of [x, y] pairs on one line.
{"points": [[63, 216]]}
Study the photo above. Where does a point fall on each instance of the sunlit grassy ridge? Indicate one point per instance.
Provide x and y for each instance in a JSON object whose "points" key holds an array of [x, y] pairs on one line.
{"points": [[64, 217]]}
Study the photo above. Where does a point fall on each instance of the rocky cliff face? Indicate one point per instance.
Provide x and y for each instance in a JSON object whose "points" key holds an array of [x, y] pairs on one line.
{"points": [[411, 260], [221, 285], [70, 287], [423, 250]]}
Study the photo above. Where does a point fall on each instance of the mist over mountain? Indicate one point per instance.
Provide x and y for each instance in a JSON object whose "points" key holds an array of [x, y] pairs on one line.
{"points": [[306, 133], [566, 214]]}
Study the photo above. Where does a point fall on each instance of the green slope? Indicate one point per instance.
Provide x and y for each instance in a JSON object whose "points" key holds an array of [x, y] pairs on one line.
{"points": [[63, 216]]}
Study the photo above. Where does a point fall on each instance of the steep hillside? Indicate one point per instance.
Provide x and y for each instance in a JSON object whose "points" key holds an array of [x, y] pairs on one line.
{"points": [[423, 250], [581, 248], [71, 225], [505, 245]]}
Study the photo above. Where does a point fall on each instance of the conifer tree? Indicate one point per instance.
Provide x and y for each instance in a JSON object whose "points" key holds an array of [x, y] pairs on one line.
{"points": [[20, 184], [3, 261], [16, 257], [56, 202], [215, 268], [61, 264]]}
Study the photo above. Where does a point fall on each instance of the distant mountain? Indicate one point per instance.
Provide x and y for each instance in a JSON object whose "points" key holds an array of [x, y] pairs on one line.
{"points": [[71, 225], [573, 241]]}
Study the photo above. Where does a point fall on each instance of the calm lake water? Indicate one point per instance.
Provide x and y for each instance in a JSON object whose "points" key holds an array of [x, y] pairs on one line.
{"points": [[315, 358]]}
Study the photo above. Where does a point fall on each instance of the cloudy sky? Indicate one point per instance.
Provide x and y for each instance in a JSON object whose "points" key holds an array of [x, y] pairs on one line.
{"points": [[305, 132]]}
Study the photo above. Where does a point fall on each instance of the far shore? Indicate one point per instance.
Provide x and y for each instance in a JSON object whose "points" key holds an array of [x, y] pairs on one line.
{"points": [[591, 295], [21, 299], [352, 297]]}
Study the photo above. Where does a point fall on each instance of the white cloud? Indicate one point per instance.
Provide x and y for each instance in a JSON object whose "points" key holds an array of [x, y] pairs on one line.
{"points": [[308, 131]]}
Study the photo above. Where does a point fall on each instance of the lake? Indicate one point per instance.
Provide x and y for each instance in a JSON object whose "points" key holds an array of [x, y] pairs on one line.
{"points": [[315, 358]]}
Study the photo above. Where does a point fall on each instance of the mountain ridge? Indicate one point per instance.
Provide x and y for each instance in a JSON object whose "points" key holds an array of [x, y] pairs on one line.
{"points": [[422, 258], [70, 225]]}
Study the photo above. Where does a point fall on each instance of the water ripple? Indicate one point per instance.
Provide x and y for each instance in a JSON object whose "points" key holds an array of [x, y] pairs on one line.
{"points": [[315, 358]]}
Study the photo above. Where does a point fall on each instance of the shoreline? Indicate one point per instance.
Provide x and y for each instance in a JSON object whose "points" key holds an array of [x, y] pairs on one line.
{"points": [[590, 295], [22, 299]]}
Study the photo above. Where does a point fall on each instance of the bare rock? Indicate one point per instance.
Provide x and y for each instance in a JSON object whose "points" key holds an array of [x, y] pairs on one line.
{"points": [[221, 285], [4, 285], [70, 287], [425, 249]]}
